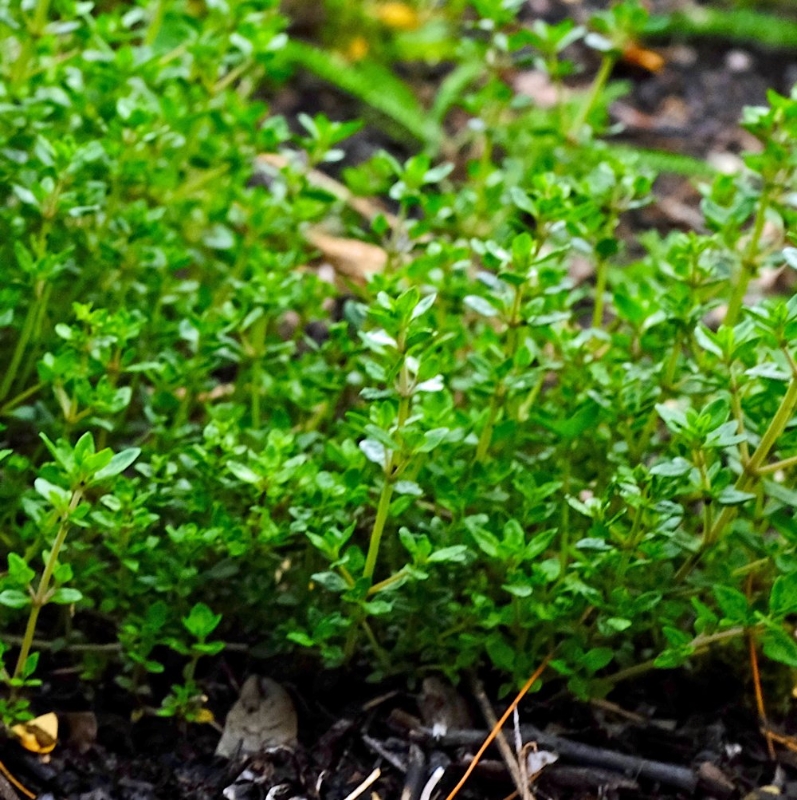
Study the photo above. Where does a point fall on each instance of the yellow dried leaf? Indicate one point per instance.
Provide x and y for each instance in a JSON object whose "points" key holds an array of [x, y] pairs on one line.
{"points": [[204, 716], [642, 57], [39, 735], [399, 16], [357, 49]]}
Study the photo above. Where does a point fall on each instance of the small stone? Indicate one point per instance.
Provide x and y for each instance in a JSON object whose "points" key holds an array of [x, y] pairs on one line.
{"points": [[263, 717], [738, 61]]}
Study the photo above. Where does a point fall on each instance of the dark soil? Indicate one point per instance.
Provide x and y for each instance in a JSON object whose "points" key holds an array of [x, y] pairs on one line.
{"points": [[699, 727], [701, 722]]}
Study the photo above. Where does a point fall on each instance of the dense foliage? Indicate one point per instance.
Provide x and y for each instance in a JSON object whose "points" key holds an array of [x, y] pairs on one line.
{"points": [[475, 456]]}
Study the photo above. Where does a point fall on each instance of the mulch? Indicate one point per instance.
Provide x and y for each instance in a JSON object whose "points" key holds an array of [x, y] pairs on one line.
{"points": [[670, 735]]}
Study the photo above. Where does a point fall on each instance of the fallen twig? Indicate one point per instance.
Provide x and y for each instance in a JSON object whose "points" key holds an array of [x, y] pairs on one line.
{"points": [[377, 747], [431, 784], [512, 764], [572, 777], [7, 780], [759, 697], [789, 742], [494, 732], [416, 770], [371, 779], [632, 766]]}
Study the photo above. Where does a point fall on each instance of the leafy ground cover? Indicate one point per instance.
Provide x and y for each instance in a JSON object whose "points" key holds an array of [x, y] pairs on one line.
{"points": [[499, 425]]}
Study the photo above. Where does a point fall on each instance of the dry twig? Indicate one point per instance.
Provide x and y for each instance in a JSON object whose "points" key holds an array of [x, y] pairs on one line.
{"points": [[512, 763], [494, 732]]}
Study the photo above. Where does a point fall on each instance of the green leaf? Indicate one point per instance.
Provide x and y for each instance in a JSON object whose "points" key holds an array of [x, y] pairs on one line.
{"points": [[671, 469], [201, 621], [674, 418], [330, 581], [501, 653], [705, 338], [408, 487], [14, 598], [733, 497], [596, 658], [56, 495], [780, 646], [84, 448], [725, 435], [66, 596], [18, 570], [783, 596], [208, 648], [616, 624], [374, 451], [672, 658], [732, 603], [118, 464], [423, 305], [457, 554], [488, 543], [31, 664], [539, 544], [480, 305], [244, 473], [432, 439]]}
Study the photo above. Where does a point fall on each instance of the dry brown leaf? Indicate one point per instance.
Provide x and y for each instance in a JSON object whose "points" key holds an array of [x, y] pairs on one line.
{"points": [[642, 57], [350, 258], [263, 716], [442, 707], [537, 86]]}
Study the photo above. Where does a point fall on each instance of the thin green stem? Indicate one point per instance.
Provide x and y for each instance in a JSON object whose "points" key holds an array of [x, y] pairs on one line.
{"points": [[672, 365], [155, 23], [705, 484], [35, 28], [786, 463], [22, 343], [601, 277], [387, 582], [748, 265], [666, 384], [382, 509], [486, 436], [497, 400], [598, 85], [749, 474], [379, 527], [232, 76], [632, 541], [11, 404], [738, 415], [36, 336], [40, 596], [197, 182], [40, 14], [700, 645], [258, 345], [564, 524]]}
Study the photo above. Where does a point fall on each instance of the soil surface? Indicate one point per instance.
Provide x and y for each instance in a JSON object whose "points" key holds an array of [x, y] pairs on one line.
{"points": [[671, 735]]}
